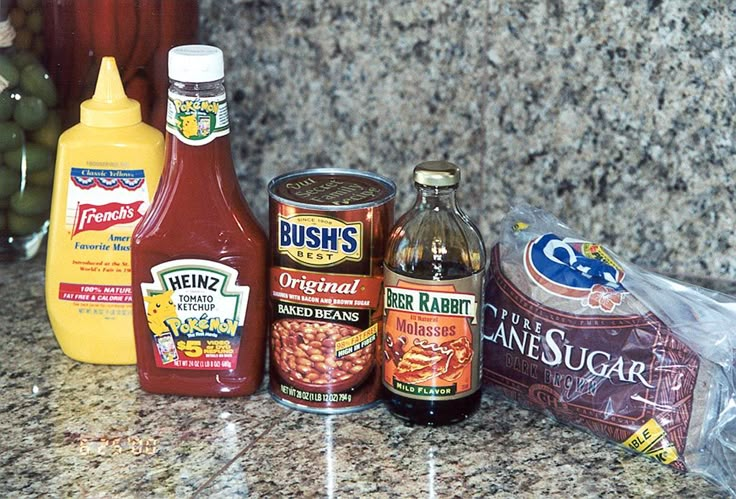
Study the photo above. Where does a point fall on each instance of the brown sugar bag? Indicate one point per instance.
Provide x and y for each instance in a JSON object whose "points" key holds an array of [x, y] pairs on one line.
{"points": [[645, 361]]}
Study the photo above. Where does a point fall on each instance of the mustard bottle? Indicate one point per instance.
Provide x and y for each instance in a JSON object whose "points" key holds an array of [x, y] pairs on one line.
{"points": [[107, 170]]}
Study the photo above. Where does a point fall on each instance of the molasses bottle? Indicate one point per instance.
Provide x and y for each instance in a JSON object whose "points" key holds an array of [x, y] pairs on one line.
{"points": [[433, 278]]}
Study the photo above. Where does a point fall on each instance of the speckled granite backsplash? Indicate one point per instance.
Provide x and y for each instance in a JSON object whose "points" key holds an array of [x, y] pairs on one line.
{"points": [[616, 118]]}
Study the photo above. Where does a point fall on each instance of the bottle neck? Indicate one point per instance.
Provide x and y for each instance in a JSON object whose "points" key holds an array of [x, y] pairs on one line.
{"points": [[436, 198], [194, 90], [198, 155]]}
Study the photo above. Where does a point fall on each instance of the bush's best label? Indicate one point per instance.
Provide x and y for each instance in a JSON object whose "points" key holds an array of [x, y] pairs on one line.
{"points": [[431, 337], [320, 241], [195, 312]]}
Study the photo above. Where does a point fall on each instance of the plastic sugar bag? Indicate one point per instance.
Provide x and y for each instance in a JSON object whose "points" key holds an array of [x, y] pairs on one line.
{"points": [[592, 340]]}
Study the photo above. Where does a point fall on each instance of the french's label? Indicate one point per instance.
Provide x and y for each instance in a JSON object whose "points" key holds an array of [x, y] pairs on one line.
{"points": [[102, 217], [319, 241], [105, 201], [195, 313], [431, 336], [197, 121]]}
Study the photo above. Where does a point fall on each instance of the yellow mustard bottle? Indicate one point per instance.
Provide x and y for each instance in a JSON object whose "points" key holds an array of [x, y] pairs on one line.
{"points": [[107, 170]]}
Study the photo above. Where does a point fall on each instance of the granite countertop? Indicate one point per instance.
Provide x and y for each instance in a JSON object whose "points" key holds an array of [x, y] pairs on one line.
{"points": [[74, 429]]}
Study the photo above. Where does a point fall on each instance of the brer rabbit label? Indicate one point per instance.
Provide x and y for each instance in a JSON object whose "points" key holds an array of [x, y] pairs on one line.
{"points": [[432, 343]]}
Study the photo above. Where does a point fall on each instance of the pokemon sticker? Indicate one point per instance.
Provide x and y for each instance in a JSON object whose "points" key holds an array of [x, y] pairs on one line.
{"points": [[197, 121], [195, 312]]}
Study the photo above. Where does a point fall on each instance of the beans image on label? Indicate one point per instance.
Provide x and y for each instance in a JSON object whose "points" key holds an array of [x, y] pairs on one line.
{"points": [[305, 353]]}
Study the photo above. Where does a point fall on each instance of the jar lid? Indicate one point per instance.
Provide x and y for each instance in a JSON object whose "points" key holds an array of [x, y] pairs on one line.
{"points": [[196, 63], [437, 174]]}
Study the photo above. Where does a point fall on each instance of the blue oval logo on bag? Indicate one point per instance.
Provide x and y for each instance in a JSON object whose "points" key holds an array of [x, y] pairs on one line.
{"points": [[570, 268]]}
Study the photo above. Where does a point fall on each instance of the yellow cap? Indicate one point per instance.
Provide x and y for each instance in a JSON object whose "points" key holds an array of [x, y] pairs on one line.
{"points": [[109, 107]]}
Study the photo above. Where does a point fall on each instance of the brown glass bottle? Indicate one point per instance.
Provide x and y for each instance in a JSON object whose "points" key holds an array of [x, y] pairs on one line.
{"points": [[434, 268]]}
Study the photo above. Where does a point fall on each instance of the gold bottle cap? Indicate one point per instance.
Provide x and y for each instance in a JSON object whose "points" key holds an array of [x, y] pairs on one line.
{"points": [[437, 174]]}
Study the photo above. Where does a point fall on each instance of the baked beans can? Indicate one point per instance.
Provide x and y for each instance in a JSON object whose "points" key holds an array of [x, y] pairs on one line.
{"points": [[328, 232]]}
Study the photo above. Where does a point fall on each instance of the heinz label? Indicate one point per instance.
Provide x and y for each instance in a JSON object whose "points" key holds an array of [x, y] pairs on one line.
{"points": [[431, 337], [195, 312]]}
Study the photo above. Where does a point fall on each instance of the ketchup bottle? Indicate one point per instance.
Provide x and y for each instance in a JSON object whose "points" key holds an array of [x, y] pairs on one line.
{"points": [[199, 256]]}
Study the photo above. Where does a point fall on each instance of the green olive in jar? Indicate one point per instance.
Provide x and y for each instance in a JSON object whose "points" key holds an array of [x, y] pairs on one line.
{"points": [[37, 157], [17, 17], [35, 80], [31, 201], [7, 105], [23, 39], [22, 225], [11, 136], [48, 134], [9, 182], [29, 5], [34, 21], [42, 178], [24, 58], [30, 112], [9, 72]]}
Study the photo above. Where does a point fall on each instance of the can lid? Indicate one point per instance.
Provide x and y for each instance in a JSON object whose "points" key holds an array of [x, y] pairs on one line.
{"points": [[437, 174], [196, 63], [332, 189]]}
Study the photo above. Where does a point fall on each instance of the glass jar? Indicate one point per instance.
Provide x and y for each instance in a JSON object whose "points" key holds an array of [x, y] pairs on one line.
{"points": [[138, 33], [29, 130]]}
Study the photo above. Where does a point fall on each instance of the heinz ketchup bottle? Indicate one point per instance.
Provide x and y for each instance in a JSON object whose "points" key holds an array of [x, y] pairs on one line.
{"points": [[199, 256]]}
